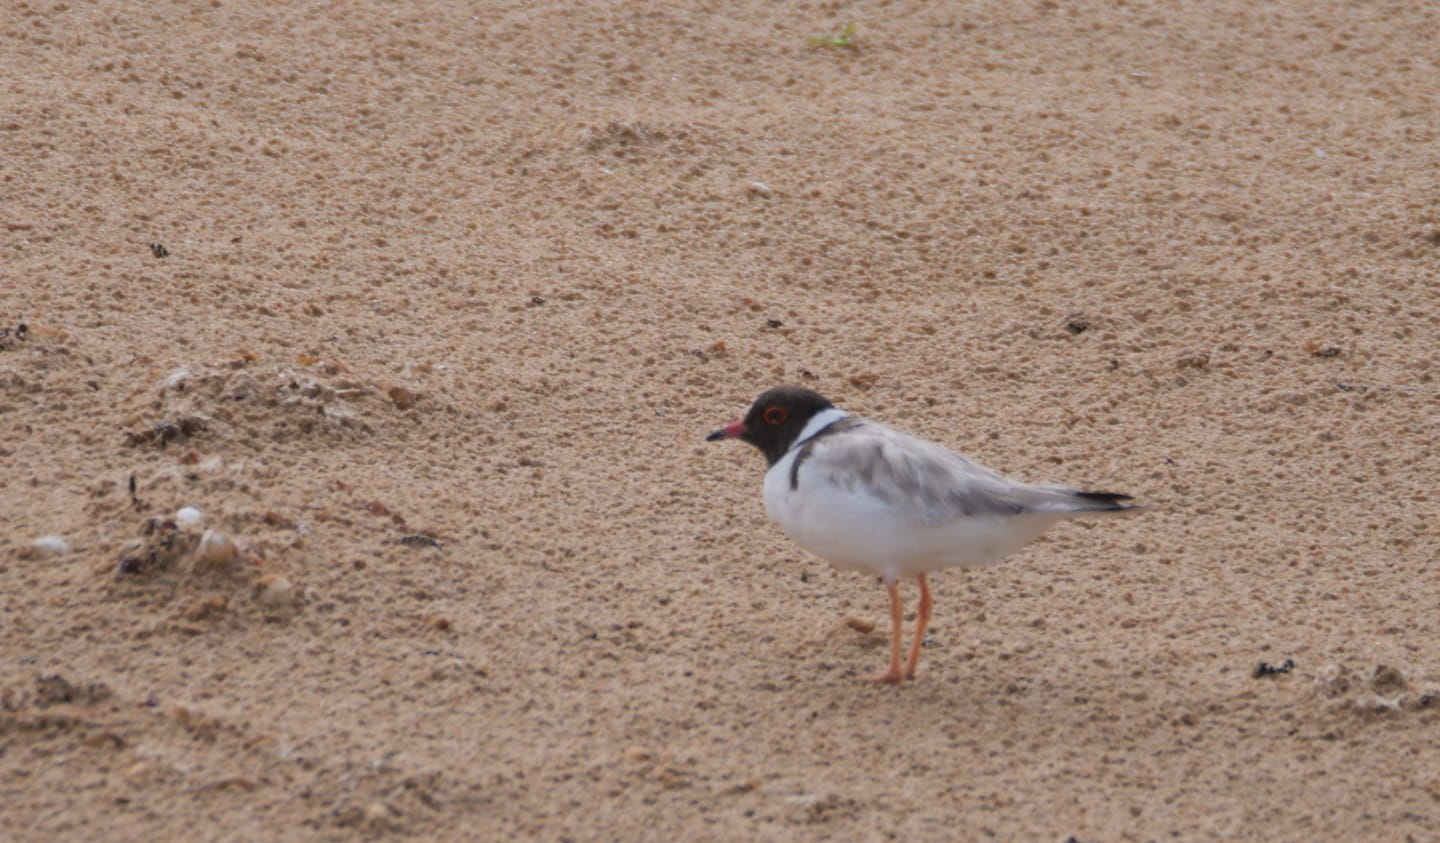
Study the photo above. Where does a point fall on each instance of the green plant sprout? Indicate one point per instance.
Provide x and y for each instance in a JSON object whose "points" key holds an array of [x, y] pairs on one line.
{"points": [[842, 40]]}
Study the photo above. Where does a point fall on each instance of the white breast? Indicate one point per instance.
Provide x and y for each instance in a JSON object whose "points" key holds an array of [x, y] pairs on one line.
{"points": [[856, 530]]}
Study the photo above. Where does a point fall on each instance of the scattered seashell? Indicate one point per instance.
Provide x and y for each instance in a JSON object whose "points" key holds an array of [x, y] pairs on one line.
{"points": [[47, 547], [860, 625], [187, 517], [275, 591], [216, 548], [379, 816]]}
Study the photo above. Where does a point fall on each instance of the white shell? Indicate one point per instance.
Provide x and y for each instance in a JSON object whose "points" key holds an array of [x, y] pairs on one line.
{"points": [[188, 516], [276, 592], [48, 546], [216, 548]]}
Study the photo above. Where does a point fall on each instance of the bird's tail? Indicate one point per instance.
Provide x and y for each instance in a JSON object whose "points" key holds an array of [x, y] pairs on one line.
{"points": [[1101, 502]]}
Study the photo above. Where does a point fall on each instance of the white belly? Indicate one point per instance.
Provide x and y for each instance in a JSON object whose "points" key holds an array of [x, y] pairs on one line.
{"points": [[856, 531]]}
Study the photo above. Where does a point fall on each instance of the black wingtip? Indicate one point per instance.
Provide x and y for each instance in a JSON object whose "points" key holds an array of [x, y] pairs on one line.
{"points": [[1107, 500]]}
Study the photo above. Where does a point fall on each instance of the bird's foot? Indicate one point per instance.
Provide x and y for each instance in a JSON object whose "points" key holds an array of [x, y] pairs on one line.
{"points": [[889, 677]]}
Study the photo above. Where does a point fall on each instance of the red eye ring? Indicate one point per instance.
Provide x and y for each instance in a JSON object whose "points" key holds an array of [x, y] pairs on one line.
{"points": [[775, 415]]}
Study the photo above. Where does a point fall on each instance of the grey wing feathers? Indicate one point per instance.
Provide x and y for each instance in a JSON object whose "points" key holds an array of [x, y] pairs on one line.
{"points": [[935, 484]]}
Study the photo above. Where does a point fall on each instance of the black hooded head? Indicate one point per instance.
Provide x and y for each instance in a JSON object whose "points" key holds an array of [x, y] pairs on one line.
{"points": [[775, 420]]}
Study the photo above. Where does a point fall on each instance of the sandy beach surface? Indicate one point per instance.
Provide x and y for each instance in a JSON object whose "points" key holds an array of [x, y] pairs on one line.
{"points": [[425, 308]]}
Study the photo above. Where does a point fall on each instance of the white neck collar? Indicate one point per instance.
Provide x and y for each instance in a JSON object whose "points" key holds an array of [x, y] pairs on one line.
{"points": [[819, 422]]}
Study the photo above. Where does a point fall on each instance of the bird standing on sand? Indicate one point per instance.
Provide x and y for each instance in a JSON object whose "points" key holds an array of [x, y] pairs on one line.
{"points": [[866, 497]]}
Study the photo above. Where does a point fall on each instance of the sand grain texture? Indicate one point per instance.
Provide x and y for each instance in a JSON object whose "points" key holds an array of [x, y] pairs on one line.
{"points": [[428, 306]]}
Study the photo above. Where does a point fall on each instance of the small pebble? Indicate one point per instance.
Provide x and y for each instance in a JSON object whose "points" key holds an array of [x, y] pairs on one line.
{"points": [[404, 398], [138, 773], [860, 625], [759, 188], [275, 591], [187, 517], [216, 548], [378, 815], [47, 547], [105, 740], [207, 608]]}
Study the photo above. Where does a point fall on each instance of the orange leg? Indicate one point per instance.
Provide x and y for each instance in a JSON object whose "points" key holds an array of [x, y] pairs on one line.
{"points": [[897, 619], [922, 620]]}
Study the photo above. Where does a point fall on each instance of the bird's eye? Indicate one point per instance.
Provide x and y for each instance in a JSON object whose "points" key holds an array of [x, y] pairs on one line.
{"points": [[775, 415]]}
